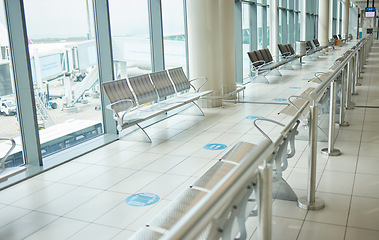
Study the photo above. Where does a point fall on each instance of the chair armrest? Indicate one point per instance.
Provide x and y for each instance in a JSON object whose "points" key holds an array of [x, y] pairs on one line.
{"points": [[198, 78], [258, 67], [9, 151], [120, 106]]}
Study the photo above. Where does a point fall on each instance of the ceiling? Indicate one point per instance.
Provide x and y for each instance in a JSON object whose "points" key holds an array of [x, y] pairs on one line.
{"points": [[363, 4]]}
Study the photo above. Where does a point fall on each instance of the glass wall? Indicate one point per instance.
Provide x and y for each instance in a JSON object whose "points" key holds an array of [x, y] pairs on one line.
{"points": [[246, 45], [8, 108], [63, 60], [174, 34], [129, 21]]}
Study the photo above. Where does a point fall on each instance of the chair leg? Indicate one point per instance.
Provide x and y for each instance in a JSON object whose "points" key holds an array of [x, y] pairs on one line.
{"points": [[259, 79], [145, 133], [202, 113]]}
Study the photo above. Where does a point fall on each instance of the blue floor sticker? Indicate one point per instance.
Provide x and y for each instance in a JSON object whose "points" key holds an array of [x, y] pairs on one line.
{"points": [[142, 199], [215, 146], [294, 87], [279, 99], [306, 79], [253, 117]]}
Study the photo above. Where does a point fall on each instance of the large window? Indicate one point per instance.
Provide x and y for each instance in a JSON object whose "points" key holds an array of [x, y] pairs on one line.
{"points": [[174, 34], [63, 59], [130, 37], [8, 101], [246, 38]]}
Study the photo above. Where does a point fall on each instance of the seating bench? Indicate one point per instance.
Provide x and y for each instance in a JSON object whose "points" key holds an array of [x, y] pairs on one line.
{"points": [[263, 63], [143, 97], [232, 219]]}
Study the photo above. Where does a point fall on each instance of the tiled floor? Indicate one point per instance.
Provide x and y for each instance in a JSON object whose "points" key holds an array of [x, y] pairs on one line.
{"points": [[85, 198]]}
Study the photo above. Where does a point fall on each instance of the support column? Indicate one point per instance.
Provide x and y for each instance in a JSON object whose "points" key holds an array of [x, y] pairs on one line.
{"points": [[303, 20], [212, 46], [345, 18], [323, 22], [331, 4], [274, 29]]}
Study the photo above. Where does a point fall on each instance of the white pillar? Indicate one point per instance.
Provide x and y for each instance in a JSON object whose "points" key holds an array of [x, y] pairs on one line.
{"points": [[345, 17], [303, 20], [323, 22], [338, 29], [274, 29], [211, 45], [331, 4]]}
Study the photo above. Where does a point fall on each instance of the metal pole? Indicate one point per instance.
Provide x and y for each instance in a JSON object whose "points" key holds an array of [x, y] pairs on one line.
{"points": [[354, 74], [330, 150], [310, 202], [265, 202], [349, 104], [342, 122]]}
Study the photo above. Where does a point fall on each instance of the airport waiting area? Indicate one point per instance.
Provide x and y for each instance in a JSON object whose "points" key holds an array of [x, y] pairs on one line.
{"points": [[132, 187]]}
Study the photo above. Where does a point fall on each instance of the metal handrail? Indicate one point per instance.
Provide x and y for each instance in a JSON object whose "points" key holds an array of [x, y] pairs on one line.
{"points": [[316, 93], [204, 211]]}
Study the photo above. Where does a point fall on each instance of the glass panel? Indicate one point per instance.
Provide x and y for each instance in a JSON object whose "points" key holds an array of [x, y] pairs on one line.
{"points": [[260, 26], [173, 34], [246, 39], [130, 37], [280, 16], [268, 25], [8, 100], [63, 59]]}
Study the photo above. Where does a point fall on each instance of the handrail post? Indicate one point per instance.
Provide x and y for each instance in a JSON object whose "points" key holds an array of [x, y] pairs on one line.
{"points": [[349, 82], [310, 202], [342, 121], [265, 201], [353, 74], [356, 73], [330, 150]]}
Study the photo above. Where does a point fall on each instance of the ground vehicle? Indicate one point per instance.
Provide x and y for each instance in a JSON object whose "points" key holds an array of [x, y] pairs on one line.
{"points": [[8, 107]]}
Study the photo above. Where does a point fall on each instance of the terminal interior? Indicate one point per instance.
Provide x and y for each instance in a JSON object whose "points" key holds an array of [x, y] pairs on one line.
{"points": [[75, 173]]}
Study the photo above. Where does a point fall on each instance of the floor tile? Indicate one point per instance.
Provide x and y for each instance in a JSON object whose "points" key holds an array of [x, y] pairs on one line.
{"points": [[96, 231], [364, 213], [358, 233], [317, 231], [336, 182], [26, 225], [366, 185], [62, 228]]}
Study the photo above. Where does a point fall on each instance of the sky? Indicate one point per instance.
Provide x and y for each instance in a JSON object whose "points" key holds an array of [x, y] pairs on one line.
{"points": [[69, 18]]}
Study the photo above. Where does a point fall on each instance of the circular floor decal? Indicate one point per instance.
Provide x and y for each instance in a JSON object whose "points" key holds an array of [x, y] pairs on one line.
{"points": [[215, 146], [306, 79], [142, 199], [279, 99], [294, 87], [253, 117]]}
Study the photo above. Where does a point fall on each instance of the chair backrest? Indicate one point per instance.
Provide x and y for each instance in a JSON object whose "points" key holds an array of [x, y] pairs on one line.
{"points": [[259, 55], [118, 90], [316, 42], [268, 57], [254, 58], [143, 89], [309, 45], [283, 50], [162, 84], [179, 79], [290, 49]]}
